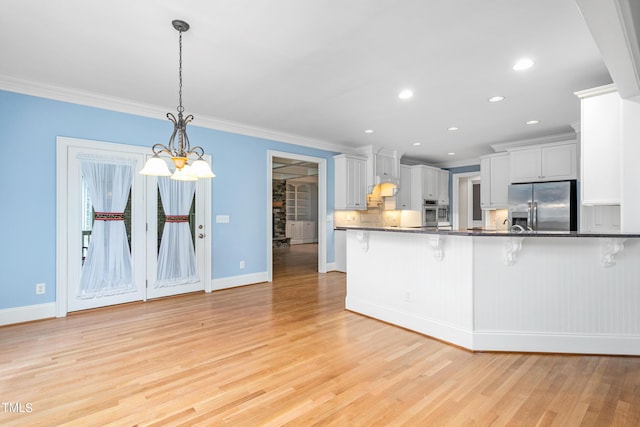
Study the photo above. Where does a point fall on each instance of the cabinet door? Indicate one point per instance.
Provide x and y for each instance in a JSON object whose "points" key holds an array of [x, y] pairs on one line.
{"points": [[558, 162], [350, 183], [385, 166], [485, 183], [499, 182], [404, 192], [430, 184], [525, 165], [356, 184], [443, 187]]}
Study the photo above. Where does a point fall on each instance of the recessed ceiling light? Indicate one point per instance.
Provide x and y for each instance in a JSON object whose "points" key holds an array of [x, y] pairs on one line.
{"points": [[368, 131], [523, 64], [416, 144], [405, 94], [533, 122], [496, 98], [451, 154], [452, 128]]}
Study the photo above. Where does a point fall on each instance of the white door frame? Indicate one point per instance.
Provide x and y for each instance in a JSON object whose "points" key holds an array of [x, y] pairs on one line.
{"points": [[63, 144], [455, 183], [322, 207]]}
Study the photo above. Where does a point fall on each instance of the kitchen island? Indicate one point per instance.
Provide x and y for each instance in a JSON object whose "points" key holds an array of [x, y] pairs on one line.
{"points": [[561, 292]]}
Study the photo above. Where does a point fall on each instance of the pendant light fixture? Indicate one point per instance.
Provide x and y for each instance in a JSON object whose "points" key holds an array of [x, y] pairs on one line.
{"points": [[180, 153]]}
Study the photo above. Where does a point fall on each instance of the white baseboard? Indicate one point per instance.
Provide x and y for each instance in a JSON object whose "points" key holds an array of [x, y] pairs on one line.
{"points": [[331, 266], [9, 316], [543, 342], [556, 343], [235, 281], [431, 327]]}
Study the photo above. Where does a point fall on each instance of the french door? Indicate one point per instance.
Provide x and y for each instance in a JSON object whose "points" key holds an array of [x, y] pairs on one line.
{"points": [[143, 219]]}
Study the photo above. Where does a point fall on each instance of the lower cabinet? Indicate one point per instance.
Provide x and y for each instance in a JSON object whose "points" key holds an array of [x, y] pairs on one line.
{"points": [[302, 232]]}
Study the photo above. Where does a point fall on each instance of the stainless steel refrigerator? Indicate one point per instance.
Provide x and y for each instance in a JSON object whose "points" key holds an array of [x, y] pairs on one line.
{"points": [[544, 206]]}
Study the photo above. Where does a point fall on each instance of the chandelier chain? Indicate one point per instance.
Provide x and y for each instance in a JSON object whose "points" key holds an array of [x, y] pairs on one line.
{"points": [[180, 107]]}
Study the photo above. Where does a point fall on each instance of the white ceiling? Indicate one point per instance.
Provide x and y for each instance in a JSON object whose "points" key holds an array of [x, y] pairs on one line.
{"points": [[323, 69]]}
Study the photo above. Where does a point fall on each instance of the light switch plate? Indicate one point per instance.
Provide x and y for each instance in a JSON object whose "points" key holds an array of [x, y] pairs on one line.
{"points": [[222, 219]]}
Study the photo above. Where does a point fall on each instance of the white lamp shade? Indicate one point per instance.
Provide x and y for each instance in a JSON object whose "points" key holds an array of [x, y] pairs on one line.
{"points": [[155, 166], [184, 174], [201, 169]]}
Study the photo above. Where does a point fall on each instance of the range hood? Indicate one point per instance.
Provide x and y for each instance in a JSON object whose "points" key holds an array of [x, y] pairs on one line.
{"points": [[385, 186]]}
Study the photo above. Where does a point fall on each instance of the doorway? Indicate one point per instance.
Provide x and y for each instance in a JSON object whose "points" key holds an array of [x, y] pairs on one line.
{"points": [[466, 212], [299, 219], [79, 225]]}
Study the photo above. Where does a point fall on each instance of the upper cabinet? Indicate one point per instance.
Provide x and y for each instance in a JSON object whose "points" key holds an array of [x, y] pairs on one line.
{"points": [[382, 165], [494, 187], [424, 185], [350, 182], [443, 187], [403, 198], [601, 146], [551, 162]]}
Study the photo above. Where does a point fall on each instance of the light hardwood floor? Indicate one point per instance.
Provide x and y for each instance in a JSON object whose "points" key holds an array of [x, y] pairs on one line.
{"points": [[287, 353]]}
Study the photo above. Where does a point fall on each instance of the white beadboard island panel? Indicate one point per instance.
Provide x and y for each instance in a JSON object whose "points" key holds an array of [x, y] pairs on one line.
{"points": [[557, 296], [397, 278]]}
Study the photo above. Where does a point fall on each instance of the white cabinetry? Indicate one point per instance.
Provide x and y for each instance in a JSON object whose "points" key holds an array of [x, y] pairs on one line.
{"points": [[443, 187], [424, 185], [403, 198], [494, 185], [298, 202], [350, 182], [341, 250], [383, 165], [601, 146], [600, 219], [302, 232], [551, 162]]}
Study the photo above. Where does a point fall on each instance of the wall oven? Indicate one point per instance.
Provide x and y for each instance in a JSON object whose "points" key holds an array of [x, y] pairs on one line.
{"points": [[430, 213]]}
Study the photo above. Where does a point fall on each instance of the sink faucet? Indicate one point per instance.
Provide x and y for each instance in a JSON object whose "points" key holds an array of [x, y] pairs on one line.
{"points": [[506, 220], [517, 228]]}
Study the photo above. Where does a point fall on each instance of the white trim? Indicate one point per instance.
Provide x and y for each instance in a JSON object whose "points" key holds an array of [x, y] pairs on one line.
{"points": [[331, 266], [427, 326], [27, 313], [600, 90], [63, 144], [235, 281], [322, 207], [522, 143], [556, 343], [96, 100], [455, 183]]}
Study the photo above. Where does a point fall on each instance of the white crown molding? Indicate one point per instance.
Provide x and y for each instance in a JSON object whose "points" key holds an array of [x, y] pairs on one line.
{"points": [[474, 161], [560, 137], [74, 96], [595, 91]]}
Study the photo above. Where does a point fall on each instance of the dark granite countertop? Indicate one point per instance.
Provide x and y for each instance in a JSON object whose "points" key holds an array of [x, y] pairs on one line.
{"points": [[489, 233]]}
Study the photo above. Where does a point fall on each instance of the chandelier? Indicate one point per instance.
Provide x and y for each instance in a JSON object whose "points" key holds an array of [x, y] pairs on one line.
{"points": [[181, 152]]}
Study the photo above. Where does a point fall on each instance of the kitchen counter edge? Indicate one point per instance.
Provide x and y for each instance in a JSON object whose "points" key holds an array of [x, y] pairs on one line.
{"points": [[490, 233]]}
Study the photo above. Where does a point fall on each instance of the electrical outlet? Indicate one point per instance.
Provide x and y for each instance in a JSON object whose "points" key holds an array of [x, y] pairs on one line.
{"points": [[241, 264], [407, 296], [41, 288]]}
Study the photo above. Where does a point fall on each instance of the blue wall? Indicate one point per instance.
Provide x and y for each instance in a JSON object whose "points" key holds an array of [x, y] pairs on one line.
{"points": [[29, 127]]}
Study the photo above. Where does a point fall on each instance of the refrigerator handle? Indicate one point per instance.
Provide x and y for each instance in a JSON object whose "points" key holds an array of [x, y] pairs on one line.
{"points": [[535, 215], [529, 220]]}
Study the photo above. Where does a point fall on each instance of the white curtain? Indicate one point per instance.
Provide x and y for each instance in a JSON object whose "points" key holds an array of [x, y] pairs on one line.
{"points": [[107, 269], [177, 259]]}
